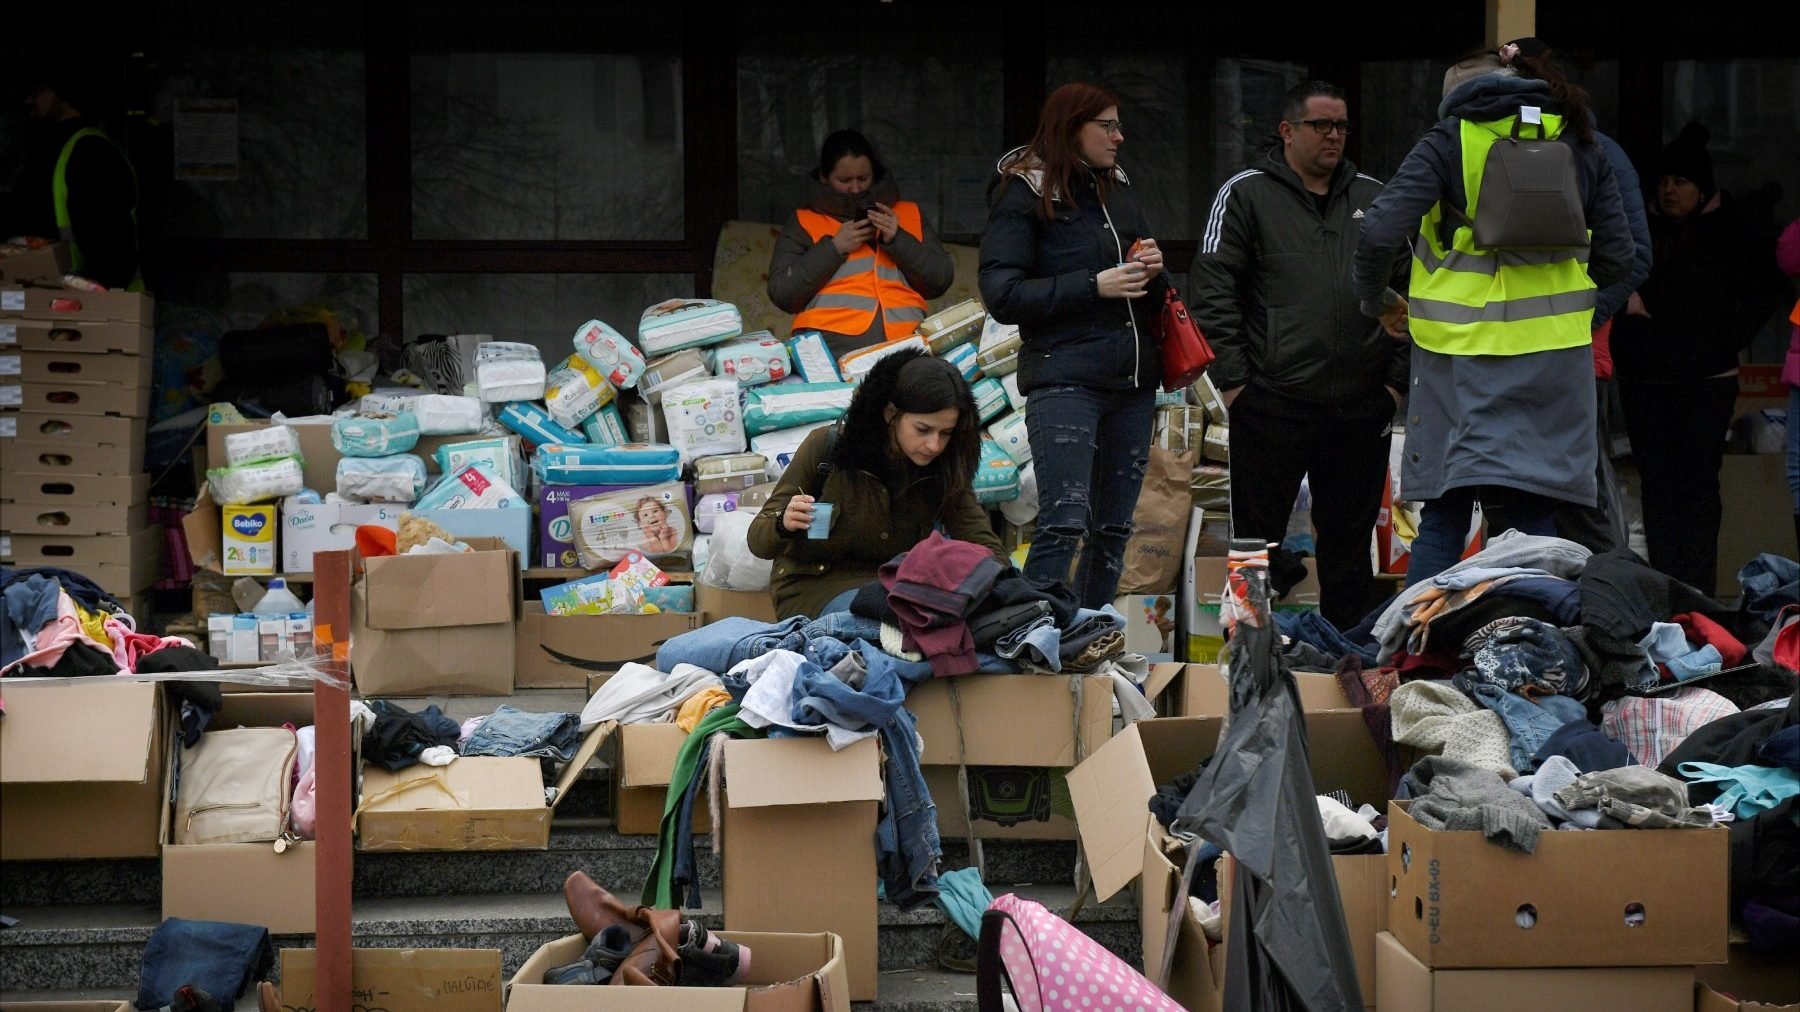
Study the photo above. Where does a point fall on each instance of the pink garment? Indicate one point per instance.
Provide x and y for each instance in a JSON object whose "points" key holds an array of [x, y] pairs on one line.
{"points": [[1053, 966], [131, 646], [57, 636], [1787, 256]]}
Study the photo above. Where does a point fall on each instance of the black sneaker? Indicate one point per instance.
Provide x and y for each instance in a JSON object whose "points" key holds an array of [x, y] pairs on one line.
{"points": [[580, 972], [609, 948], [708, 960]]}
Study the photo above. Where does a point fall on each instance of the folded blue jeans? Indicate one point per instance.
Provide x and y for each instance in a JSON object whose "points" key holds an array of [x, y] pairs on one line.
{"points": [[515, 732], [1530, 723], [218, 957]]}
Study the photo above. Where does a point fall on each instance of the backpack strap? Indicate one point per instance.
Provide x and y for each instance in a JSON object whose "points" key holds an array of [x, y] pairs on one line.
{"points": [[830, 450]]}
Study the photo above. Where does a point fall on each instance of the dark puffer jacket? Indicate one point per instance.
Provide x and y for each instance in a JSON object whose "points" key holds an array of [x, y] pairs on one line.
{"points": [[1038, 273]]}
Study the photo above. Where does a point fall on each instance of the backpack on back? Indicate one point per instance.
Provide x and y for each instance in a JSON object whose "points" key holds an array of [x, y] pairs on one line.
{"points": [[1530, 195]]}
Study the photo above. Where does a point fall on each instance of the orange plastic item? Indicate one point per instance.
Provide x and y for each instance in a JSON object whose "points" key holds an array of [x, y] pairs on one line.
{"points": [[374, 541]]}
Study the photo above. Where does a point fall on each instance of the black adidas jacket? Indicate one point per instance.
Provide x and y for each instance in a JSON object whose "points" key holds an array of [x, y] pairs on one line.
{"points": [[1270, 288]]}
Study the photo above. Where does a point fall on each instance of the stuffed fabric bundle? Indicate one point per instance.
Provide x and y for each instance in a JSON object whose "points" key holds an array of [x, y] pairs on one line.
{"points": [[754, 362], [605, 427], [625, 464], [652, 520], [255, 445], [499, 455], [574, 390], [508, 371], [704, 418], [536, 425], [616, 359], [768, 409], [857, 364], [448, 414], [260, 482], [997, 476], [812, 358], [473, 487], [375, 434], [686, 323], [399, 478]]}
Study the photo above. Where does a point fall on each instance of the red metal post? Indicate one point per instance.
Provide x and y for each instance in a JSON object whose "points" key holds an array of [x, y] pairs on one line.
{"points": [[331, 717]]}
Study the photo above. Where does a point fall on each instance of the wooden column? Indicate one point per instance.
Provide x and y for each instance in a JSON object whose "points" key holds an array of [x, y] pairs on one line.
{"points": [[331, 717], [1510, 19]]}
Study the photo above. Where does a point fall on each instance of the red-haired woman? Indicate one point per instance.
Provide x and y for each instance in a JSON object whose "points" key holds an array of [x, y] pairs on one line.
{"points": [[1067, 256]]}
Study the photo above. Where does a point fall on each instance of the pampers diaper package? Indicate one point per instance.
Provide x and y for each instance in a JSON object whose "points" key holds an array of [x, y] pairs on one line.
{"points": [[508, 371], [704, 418], [574, 390], [616, 358]]}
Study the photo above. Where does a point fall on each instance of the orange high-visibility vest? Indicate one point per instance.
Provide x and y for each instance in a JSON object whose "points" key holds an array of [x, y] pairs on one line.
{"points": [[867, 281]]}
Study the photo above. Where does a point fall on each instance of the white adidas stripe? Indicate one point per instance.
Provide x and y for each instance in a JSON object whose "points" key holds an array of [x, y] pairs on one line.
{"points": [[1215, 220]]}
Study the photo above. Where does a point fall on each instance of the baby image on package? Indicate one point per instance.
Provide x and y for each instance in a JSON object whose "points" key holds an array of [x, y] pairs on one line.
{"points": [[654, 520]]}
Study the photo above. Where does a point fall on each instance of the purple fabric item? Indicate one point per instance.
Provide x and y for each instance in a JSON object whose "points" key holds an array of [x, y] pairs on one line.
{"points": [[933, 590]]}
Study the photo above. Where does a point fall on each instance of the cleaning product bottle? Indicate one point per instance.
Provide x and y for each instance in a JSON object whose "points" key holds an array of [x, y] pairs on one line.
{"points": [[279, 600]]}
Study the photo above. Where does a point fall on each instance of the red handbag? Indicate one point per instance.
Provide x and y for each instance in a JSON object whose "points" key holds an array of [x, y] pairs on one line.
{"points": [[1185, 353]]}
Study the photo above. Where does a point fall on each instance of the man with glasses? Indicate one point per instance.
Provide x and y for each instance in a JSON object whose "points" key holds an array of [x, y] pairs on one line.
{"points": [[1310, 382]]}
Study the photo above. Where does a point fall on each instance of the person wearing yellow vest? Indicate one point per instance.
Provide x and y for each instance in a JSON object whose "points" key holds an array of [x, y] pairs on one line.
{"points": [[857, 263], [76, 185], [1501, 405]]}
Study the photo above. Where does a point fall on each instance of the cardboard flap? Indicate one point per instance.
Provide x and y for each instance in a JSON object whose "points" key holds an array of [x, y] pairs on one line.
{"points": [[51, 731], [1161, 677], [589, 746], [1111, 792], [647, 753], [402, 980], [1010, 720], [201, 525], [760, 773], [436, 591]]}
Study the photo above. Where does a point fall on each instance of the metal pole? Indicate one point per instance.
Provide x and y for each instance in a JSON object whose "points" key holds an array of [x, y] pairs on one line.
{"points": [[331, 717]]}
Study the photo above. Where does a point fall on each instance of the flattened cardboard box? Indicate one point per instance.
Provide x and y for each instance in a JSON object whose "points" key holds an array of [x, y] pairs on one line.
{"points": [[717, 603], [436, 624], [35, 518], [641, 789], [1407, 985], [69, 366], [85, 337], [66, 1006], [401, 980], [73, 304], [794, 803], [47, 261], [283, 897], [83, 430], [565, 651], [74, 489], [55, 787], [475, 803], [1456, 898], [1756, 487], [66, 456], [63, 397], [121, 565], [788, 973]]}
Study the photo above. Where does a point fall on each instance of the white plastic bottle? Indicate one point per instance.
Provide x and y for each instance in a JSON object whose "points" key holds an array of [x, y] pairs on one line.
{"points": [[279, 600]]}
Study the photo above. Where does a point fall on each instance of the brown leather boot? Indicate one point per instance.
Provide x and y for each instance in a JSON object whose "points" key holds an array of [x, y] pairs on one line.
{"points": [[593, 908]]}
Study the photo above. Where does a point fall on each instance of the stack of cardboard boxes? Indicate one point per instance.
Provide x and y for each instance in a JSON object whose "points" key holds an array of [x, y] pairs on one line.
{"points": [[75, 372]]}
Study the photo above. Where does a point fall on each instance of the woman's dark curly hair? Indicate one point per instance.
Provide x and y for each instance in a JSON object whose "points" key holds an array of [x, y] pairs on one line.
{"points": [[917, 384]]}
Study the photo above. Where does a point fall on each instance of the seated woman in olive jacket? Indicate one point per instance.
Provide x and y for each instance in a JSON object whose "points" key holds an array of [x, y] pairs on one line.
{"points": [[899, 463]]}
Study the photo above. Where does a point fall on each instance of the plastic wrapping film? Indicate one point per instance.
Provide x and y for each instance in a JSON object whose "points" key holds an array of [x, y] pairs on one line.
{"points": [[768, 409], [625, 464], [812, 358], [507, 371], [653, 520], [606, 427], [286, 673], [996, 477], [730, 564], [375, 434], [705, 418], [857, 364], [256, 445], [1023, 508], [392, 400], [536, 425], [398, 478], [500, 455], [575, 390], [990, 399], [474, 487], [779, 446], [1010, 432], [963, 358], [685, 323], [616, 359], [710, 508], [253, 483], [449, 414], [954, 326], [754, 362], [999, 351]]}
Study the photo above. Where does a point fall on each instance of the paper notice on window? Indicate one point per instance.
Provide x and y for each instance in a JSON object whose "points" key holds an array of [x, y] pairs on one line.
{"points": [[206, 139]]}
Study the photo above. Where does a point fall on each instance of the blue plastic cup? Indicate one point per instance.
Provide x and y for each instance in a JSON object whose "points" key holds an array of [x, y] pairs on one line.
{"points": [[820, 528]]}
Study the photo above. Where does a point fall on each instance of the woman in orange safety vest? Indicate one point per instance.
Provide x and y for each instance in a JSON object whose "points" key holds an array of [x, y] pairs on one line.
{"points": [[856, 263]]}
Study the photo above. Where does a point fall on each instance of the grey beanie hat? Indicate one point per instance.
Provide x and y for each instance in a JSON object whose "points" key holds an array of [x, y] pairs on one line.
{"points": [[1473, 67]]}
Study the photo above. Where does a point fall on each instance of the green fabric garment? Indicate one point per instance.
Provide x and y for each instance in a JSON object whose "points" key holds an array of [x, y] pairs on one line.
{"points": [[659, 888]]}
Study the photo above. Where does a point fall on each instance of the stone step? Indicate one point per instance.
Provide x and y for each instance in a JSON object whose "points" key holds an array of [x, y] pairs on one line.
{"points": [[69, 948]]}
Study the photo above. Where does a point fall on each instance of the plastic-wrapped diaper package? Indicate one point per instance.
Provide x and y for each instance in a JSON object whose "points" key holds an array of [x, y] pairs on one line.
{"points": [[500, 455], [756, 359], [617, 359], [375, 434], [687, 323], [857, 364], [1024, 508], [779, 446], [1010, 383], [1011, 434], [574, 390], [390, 400], [999, 351], [673, 597], [625, 464], [730, 563], [399, 478], [711, 507], [997, 476], [536, 425], [689, 365], [251, 483], [704, 418], [507, 371], [653, 520], [605, 427], [990, 399], [786, 405], [472, 488], [269, 443], [702, 552], [812, 358], [958, 325], [729, 472], [963, 358], [448, 414]]}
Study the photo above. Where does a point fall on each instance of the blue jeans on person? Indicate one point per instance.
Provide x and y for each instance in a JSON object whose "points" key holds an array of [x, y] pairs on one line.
{"points": [[1444, 526], [1089, 448], [1530, 722]]}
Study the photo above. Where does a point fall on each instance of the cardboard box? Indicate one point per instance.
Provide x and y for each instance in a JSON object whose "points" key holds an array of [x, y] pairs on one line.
{"points": [[1456, 899], [1761, 513], [567, 651], [788, 973], [1197, 971], [66, 456], [282, 899], [1708, 1000], [402, 980], [89, 337], [1203, 585], [74, 304], [513, 526], [85, 399], [475, 803], [121, 564], [1749, 981], [555, 549], [66, 1006], [641, 789], [326, 527], [436, 624], [1407, 985], [27, 518], [87, 430], [48, 261], [1150, 624], [717, 603], [70, 366], [74, 489], [56, 786], [794, 803]]}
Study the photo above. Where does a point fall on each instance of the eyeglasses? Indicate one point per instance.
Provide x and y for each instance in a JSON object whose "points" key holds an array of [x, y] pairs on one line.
{"points": [[1109, 126], [1323, 127]]}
